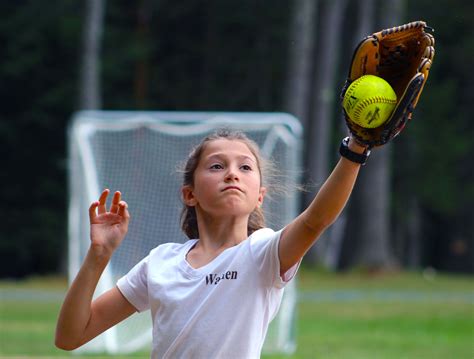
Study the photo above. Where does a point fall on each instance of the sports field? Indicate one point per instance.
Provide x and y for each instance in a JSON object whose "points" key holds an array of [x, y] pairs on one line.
{"points": [[400, 315]]}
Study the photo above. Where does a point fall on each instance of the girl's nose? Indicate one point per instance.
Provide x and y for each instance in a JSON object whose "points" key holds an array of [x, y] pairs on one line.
{"points": [[231, 174]]}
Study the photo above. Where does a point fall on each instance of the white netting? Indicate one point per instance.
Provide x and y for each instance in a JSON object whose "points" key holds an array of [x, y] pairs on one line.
{"points": [[139, 153]]}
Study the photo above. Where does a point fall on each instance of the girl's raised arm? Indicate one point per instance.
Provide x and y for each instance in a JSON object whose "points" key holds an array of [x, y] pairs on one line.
{"points": [[80, 319], [305, 229]]}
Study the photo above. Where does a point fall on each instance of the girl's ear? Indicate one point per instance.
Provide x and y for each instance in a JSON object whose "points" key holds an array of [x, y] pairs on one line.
{"points": [[188, 196], [261, 196]]}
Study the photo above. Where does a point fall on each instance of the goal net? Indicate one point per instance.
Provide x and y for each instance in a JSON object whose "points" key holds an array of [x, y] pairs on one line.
{"points": [[139, 153]]}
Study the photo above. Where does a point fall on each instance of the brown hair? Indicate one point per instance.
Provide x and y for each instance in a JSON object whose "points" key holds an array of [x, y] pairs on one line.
{"points": [[188, 214]]}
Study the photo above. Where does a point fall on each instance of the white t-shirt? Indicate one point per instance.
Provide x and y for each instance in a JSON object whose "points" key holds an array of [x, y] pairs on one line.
{"points": [[220, 310]]}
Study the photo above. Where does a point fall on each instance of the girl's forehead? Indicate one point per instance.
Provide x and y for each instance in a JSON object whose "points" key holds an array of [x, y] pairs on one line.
{"points": [[225, 146]]}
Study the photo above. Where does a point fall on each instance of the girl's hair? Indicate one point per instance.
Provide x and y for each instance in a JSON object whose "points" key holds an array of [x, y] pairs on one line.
{"points": [[188, 214]]}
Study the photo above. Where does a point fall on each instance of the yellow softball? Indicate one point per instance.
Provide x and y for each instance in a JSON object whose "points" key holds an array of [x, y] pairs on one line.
{"points": [[369, 101]]}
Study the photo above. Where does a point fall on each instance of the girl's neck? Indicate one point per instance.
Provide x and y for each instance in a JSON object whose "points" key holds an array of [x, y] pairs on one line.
{"points": [[215, 235], [214, 238]]}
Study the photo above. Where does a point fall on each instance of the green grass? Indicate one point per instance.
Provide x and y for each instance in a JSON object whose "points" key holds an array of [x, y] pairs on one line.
{"points": [[355, 315]]}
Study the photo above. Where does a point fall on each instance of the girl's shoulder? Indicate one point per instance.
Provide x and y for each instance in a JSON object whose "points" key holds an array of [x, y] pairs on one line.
{"points": [[263, 234], [263, 240]]}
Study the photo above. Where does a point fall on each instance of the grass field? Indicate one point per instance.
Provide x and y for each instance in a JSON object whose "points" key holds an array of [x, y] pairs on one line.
{"points": [[400, 315]]}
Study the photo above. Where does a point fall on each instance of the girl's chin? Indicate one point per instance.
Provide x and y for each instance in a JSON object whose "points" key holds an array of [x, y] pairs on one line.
{"points": [[232, 206], [230, 211]]}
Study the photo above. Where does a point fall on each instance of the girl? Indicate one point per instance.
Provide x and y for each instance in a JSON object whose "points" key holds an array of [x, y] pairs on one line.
{"points": [[215, 295]]}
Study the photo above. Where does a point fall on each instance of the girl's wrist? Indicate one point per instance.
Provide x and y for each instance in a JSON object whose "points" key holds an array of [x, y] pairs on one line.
{"points": [[355, 146], [99, 255]]}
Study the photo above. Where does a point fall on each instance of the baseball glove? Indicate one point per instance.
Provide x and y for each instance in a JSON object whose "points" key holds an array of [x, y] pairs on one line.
{"points": [[402, 56]]}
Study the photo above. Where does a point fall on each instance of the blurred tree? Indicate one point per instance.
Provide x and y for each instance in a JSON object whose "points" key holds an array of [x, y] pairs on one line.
{"points": [[299, 81], [301, 44], [90, 96], [406, 216], [367, 242], [319, 128], [143, 39]]}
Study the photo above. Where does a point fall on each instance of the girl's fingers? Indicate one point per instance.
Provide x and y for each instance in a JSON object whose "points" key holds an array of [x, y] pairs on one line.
{"points": [[123, 211], [103, 200], [92, 212], [114, 208], [117, 206]]}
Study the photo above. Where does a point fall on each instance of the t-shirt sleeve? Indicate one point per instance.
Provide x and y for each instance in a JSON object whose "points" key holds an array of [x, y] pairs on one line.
{"points": [[134, 286], [264, 247]]}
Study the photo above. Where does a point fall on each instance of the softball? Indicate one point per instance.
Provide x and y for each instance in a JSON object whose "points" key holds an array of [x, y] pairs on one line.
{"points": [[369, 101]]}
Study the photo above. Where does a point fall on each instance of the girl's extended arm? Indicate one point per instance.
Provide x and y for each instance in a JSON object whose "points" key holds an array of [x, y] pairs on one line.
{"points": [[80, 319], [300, 234]]}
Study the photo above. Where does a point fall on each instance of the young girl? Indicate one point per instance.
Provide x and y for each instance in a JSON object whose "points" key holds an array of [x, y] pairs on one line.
{"points": [[215, 295]]}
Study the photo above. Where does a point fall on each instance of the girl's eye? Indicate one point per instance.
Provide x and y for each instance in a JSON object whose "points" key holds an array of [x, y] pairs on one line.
{"points": [[246, 167], [216, 166]]}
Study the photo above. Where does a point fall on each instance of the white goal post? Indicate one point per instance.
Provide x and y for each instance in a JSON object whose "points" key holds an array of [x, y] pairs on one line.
{"points": [[138, 153]]}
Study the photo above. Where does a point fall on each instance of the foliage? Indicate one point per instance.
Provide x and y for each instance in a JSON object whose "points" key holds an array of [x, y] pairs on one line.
{"points": [[445, 129], [435, 166], [196, 55], [38, 70]]}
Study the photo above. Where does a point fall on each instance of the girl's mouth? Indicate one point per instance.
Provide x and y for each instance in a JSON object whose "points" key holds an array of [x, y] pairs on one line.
{"points": [[231, 188]]}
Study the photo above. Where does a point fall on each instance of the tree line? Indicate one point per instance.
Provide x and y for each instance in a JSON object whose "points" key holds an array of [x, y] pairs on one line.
{"points": [[411, 206]]}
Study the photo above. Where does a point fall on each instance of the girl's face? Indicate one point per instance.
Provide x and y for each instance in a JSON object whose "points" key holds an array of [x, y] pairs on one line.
{"points": [[226, 180]]}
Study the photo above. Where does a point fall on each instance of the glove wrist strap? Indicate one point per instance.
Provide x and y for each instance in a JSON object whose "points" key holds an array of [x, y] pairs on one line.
{"points": [[352, 156]]}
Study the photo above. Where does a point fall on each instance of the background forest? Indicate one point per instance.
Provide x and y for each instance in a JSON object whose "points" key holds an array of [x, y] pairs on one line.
{"points": [[412, 208]]}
